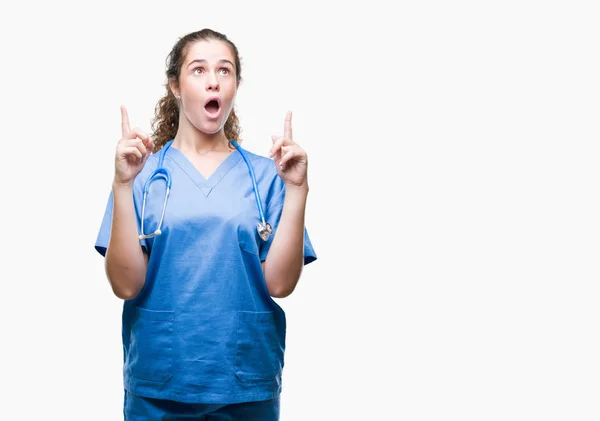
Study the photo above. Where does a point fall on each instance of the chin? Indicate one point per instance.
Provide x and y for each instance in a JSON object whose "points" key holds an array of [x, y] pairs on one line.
{"points": [[209, 127]]}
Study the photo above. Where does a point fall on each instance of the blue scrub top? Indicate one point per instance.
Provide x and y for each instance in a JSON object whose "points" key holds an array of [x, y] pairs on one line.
{"points": [[204, 328]]}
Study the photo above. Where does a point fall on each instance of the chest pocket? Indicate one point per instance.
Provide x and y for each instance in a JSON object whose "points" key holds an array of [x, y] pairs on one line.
{"points": [[249, 240], [247, 220]]}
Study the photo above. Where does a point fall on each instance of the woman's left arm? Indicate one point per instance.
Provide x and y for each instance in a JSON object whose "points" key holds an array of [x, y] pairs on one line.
{"points": [[285, 260]]}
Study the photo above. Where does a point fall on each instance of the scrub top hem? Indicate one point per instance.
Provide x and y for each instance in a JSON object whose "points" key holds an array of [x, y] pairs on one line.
{"points": [[202, 398]]}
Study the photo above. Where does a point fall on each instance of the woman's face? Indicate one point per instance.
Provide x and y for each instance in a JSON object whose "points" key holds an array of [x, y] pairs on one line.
{"points": [[207, 85]]}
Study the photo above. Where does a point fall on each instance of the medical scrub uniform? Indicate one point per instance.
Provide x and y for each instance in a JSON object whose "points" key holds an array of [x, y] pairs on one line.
{"points": [[204, 329]]}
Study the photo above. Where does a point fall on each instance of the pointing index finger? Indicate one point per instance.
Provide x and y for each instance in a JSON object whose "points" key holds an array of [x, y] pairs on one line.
{"points": [[287, 127], [124, 121]]}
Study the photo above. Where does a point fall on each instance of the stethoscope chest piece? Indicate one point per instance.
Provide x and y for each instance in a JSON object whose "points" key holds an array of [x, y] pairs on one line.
{"points": [[264, 230]]}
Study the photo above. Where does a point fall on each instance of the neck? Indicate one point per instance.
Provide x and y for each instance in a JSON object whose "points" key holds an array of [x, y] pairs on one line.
{"points": [[189, 138]]}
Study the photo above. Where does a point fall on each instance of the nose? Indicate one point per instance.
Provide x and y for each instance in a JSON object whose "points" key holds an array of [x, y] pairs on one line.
{"points": [[212, 83]]}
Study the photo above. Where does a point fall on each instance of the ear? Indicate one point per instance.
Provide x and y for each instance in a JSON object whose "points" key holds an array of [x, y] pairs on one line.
{"points": [[174, 87]]}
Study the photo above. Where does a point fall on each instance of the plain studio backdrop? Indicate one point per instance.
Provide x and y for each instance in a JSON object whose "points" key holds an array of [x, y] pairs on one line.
{"points": [[453, 166]]}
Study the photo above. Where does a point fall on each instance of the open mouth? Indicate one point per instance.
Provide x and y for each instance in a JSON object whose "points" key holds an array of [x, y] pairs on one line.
{"points": [[212, 106]]}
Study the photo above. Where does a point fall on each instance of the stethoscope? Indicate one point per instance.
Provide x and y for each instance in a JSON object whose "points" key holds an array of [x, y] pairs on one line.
{"points": [[264, 228]]}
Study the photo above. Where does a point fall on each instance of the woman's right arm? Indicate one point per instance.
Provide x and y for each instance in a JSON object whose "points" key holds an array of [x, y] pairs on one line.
{"points": [[126, 262]]}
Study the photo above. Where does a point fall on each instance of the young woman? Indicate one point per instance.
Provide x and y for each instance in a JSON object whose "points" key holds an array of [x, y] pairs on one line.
{"points": [[198, 237]]}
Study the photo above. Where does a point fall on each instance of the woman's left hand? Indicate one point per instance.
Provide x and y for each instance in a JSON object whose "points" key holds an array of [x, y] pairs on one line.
{"points": [[290, 159]]}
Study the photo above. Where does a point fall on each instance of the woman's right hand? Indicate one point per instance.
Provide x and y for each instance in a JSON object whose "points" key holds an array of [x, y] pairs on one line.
{"points": [[133, 150]]}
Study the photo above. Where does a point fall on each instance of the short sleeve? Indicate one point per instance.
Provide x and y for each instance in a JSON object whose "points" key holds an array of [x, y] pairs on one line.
{"points": [[106, 224], [273, 215]]}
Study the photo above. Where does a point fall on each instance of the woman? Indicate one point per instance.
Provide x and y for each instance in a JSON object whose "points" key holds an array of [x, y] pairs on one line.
{"points": [[197, 265]]}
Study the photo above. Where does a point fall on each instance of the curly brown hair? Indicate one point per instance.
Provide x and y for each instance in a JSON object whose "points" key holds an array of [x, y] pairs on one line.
{"points": [[166, 120]]}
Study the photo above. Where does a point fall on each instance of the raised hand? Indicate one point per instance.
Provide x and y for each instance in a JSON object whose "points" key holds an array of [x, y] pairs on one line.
{"points": [[133, 149], [291, 160]]}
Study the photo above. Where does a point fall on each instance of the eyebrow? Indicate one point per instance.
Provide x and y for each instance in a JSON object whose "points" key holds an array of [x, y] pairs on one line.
{"points": [[204, 61]]}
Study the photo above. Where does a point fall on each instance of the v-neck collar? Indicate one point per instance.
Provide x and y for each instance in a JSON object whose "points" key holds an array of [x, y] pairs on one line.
{"points": [[204, 184]]}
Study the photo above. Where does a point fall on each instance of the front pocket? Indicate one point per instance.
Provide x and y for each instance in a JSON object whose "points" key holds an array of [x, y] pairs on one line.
{"points": [[259, 354], [151, 347]]}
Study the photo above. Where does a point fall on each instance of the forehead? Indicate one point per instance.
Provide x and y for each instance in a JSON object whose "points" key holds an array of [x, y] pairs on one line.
{"points": [[209, 50]]}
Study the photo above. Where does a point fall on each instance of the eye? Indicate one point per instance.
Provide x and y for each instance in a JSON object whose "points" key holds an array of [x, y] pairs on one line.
{"points": [[226, 70], [198, 68]]}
